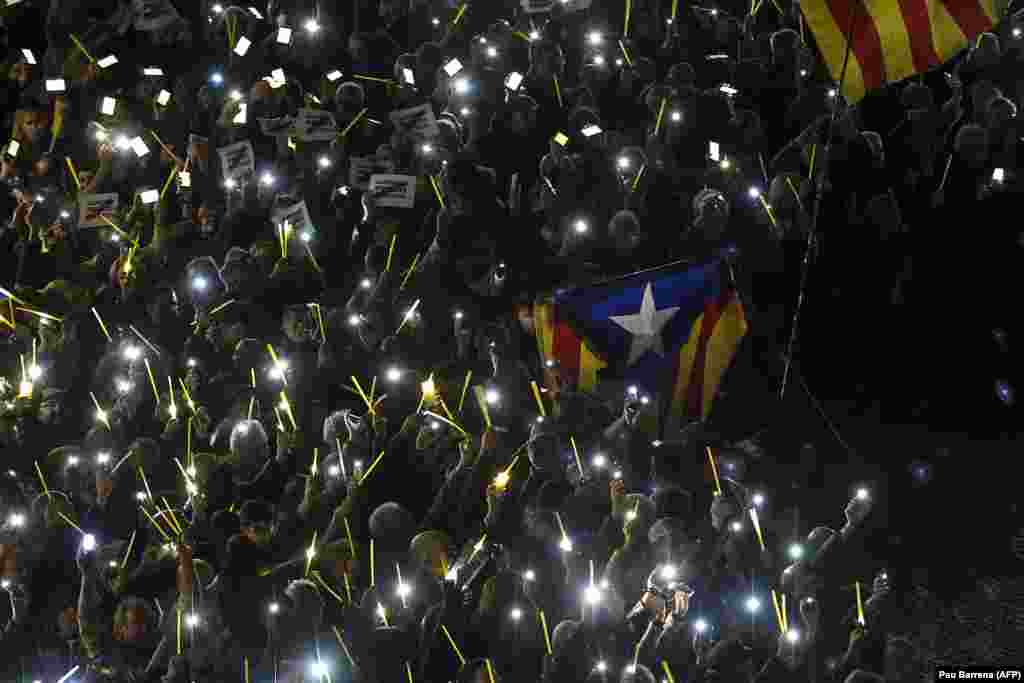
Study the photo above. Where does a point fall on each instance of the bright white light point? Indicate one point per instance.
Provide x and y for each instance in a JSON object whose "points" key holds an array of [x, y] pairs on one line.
{"points": [[103, 458], [101, 415], [599, 60], [435, 21], [334, 470], [492, 396], [353, 320], [236, 95], [324, 162], [435, 425], [191, 471], [311, 25], [358, 464], [217, 9], [595, 38], [192, 362], [604, 584], [267, 179], [832, 92], [516, 614], [529, 575], [753, 604], [34, 372], [88, 542], [758, 499], [618, 62], [617, 474], [318, 669], [5, 584], [394, 374], [458, 315], [381, 611], [602, 666], [191, 620], [274, 608], [580, 226], [700, 625], [754, 193], [792, 635], [600, 461], [669, 572], [132, 353], [124, 386], [736, 526], [306, 236], [862, 494], [534, 35], [565, 544], [592, 595], [17, 520], [796, 551], [492, 52], [366, 283], [677, 116], [140, 496], [199, 283], [624, 163], [724, 164], [465, 111], [72, 460], [404, 590], [644, 400], [462, 86], [1016, 33], [217, 79]]}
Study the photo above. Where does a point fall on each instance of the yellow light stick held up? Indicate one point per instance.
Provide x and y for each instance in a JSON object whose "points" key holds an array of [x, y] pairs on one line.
{"points": [[465, 387], [170, 394], [477, 548], [481, 401], [501, 481], [544, 627], [152, 382], [428, 392], [451, 423], [174, 519], [188, 396], [362, 394], [179, 631], [280, 422], [101, 414], [860, 605], [74, 174], [42, 479], [70, 523], [668, 671], [785, 614], [408, 315], [341, 460], [675, 10], [277, 364], [576, 454], [768, 210], [661, 115], [558, 91], [408, 671], [334, 594], [167, 183], [411, 270], [103, 326], [372, 467], [127, 554], [455, 648], [373, 565], [144, 340], [351, 543], [221, 307], [252, 404], [398, 572], [437, 191], [536, 396], [629, 11], [319, 315], [145, 482], [288, 410], [458, 16], [490, 671], [311, 553], [246, 663], [39, 314], [714, 470], [337, 634], [312, 258], [391, 252], [353, 122], [639, 175], [78, 44], [188, 440], [796, 195], [778, 612], [814, 151], [757, 528], [625, 54], [374, 79]]}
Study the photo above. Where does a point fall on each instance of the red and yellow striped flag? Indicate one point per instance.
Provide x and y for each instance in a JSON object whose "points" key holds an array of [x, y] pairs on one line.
{"points": [[577, 365], [894, 39]]}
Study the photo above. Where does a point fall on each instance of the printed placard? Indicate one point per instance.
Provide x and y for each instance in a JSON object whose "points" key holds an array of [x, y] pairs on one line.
{"points": [[92, 208], [360, 170], [296, 215], [537, 6], [314, 125], [237, 161], [398, 191], [418, 123], [275, 127]]}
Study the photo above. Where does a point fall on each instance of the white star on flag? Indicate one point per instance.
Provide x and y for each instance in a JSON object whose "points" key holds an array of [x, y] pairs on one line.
{"points": [[645, 326]]}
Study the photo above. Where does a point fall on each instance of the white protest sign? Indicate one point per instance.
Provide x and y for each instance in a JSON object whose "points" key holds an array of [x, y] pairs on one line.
{"points": [[314, 125], [92, 207], [237, 161], [361, 168], [294, 215], [417, 122], [398, 191], [274, 127], [537, 6]]}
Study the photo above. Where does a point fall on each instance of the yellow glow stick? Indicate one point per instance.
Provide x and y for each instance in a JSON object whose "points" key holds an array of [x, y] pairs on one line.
{"points": [[320, 319], [501, 481], [391, 252], [40, 314], [311, 553], [373, 565], [714, 471], [558, 91], [477, 548], [860, 605], [481, 401], [221, 307], [277, 364], [103, 325], [131, 544], [101, 414], [252, 404], [70, 523], [544, 626], [362, 394], [170, 393], [451, 641], [661, 114], [337, 634], [144, 340], [188, 396], [288, 410], [145, 482], [796, 195], [408, 315], [348, 589], [81, 47], [450, 423], [316, 575], [629, 11], [778, 612], [280, 422], [490, 671], [179, 631], [188, 440], [639, 175], [373, 466], [353, 122], [675, 10], [757, 528], [579, 463], [375, 79], [768, 209], [561, 527], [458, 16], [42, 479], [536, 396], [348, 532], [437, 191], [167, 183], [814, 151], [785, 614], [246, 660], [74, 174], [408, 273], [625, 53], [465, 386], [668, 671], [408, 671], [174, 519], [152, 382]]}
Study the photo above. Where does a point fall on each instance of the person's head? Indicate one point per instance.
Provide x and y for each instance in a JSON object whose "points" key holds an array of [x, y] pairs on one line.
{"points": [[249, 448], [902, 661], [349, 99], [546, 59], [134, 621], [32, 123], [681, 77], [256, 521], [1001, 111], [229, 326], [987, 51], [626, 232], [748, 123], [430, 550], [971, 146], [710, 214], [392, 526], [785, 46], [874, 140], [917, 96]]}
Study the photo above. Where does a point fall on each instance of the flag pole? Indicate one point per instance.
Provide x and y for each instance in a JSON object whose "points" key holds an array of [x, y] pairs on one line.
{"points": [[818, 193]]}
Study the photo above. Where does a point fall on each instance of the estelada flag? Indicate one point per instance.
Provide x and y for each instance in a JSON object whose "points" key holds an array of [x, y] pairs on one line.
{"points": [[671, 331], [894, 39]]}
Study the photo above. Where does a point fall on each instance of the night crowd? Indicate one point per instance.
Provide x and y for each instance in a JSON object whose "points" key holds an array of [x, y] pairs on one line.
{"points": [[272, 402]]}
